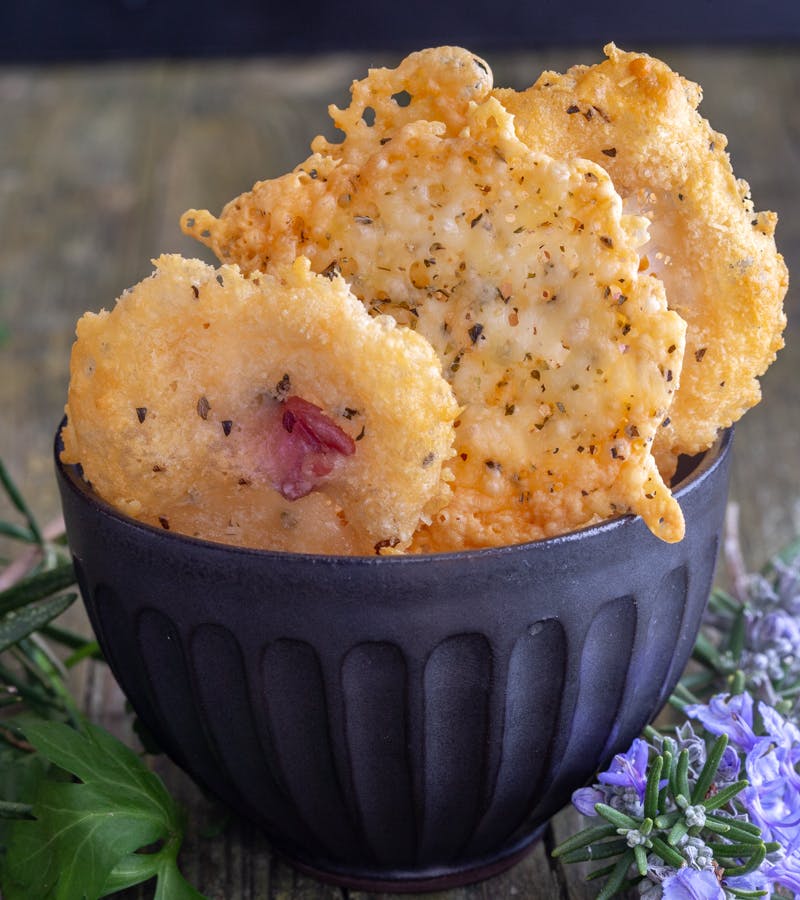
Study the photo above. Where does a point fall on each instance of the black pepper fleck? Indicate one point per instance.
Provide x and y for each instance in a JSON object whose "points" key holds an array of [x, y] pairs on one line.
{"points": [[475, 332], [283, 387]]}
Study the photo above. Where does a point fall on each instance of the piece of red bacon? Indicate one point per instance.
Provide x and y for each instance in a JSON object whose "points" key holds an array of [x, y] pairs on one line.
{"points": [[303, 447]]}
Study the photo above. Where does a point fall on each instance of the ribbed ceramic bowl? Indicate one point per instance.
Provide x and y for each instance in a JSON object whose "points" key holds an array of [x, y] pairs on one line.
{"points": [[398, 723]]}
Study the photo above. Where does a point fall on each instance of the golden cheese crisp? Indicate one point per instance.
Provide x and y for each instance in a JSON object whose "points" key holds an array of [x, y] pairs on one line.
{"points": [[522, 272], [269, 411], [716, 256]]}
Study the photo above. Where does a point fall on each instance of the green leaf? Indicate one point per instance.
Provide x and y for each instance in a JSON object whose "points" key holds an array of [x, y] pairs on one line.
{"points": [[83, 831], [721, 601], [19, 501], [652, 788], [36, 587], [682, 775], [751, 865], [601, 850], [11, 810], [9, 529], [132, 870], [706, 776], [173, 886], [583, 838], [669, 854], [617, 877], [737, 635], [19, 623], [615, 817], [726, 795]]}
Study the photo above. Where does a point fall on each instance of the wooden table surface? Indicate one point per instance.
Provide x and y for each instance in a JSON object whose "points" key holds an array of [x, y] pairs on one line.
{"points": [[96, 165]]}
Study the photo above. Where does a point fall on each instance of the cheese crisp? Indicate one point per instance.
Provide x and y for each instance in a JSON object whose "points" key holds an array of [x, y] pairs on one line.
{"points": [[266, 412], [522, 272], [716, 256], [483, 317]]}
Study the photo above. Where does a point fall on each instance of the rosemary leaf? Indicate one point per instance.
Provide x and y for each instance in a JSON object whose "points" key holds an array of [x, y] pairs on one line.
{"points": [[709, 770], [583, 838], [615, 817], [751, 865], [19, 623], [602, 850], [726, 795], [9, 529], [36, 587], [651, 794], [19, 502], [617, 876]]}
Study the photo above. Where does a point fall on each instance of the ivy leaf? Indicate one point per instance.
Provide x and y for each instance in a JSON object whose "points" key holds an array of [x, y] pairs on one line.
{"points": [[83, 830]]}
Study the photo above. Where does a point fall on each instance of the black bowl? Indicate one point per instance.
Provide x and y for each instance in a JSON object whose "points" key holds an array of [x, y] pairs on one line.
{"points": [[398, 723]]}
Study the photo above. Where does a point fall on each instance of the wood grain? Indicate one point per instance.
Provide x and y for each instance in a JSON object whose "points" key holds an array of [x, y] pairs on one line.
{"points": [[96, 165]]}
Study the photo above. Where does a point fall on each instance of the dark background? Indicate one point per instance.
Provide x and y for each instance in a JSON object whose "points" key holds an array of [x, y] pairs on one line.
{"points": [[66, 30]]}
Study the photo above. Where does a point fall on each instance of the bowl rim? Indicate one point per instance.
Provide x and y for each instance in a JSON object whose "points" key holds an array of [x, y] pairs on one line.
{"points": [[702, 466]]}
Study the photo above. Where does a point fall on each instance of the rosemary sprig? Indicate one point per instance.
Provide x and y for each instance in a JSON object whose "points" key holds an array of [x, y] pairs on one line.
{"points": [[40, 721]]}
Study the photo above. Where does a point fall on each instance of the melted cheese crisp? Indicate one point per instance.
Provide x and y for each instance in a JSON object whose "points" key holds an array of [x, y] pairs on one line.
{"points": [[269, 411], [715, 254], [523, 274]]}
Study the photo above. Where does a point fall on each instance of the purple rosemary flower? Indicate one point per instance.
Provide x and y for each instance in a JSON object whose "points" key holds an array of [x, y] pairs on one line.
{"points": [[773, 797], [727, 714], [784, 732], [785, 872], [729, 767], [584, 800], [692, 884], [629, 770], [622, 785], [753, 881]]}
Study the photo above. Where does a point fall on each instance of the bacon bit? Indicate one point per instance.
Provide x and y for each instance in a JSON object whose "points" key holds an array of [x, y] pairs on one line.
{"points": [[304, 446]]}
